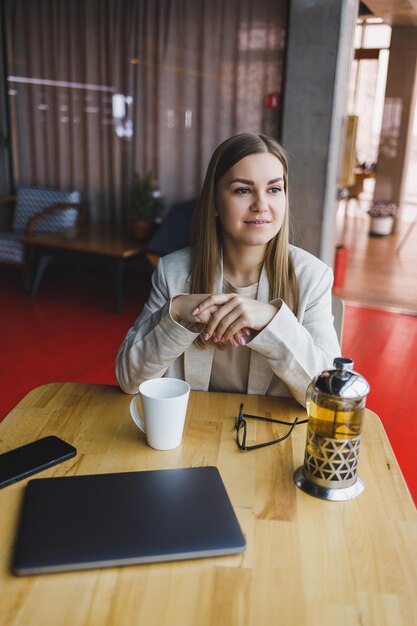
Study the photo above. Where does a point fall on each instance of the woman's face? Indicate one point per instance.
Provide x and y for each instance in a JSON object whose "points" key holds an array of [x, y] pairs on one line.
{"points": [[250, 200]]}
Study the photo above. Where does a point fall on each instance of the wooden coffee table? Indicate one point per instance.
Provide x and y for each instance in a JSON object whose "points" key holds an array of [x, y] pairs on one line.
{"points": [[98, 242]]}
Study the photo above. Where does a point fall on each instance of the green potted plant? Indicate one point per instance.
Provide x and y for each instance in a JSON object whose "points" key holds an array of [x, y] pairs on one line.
{"points": [[382, 213], [144, 206]]}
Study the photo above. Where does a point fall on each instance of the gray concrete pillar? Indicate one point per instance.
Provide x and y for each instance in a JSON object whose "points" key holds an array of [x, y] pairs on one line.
{"points": [[397, 120], [319, 58]]}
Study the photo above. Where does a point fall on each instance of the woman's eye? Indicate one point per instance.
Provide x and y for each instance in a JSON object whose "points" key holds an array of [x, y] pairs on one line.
{"points": [[242, 190], [275, 189]]}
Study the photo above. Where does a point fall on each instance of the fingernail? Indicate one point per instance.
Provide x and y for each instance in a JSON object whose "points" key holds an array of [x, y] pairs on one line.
{"points": [[242, 341], [214, 339], [196, 310], [247, 332], [206, 336]]}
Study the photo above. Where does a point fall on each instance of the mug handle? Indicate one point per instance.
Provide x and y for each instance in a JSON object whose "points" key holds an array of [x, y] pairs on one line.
{"points": [[135, 415]]}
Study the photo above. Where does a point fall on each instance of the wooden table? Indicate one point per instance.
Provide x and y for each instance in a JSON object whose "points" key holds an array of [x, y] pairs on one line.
{"points": [[100, 243], [307, 562]]}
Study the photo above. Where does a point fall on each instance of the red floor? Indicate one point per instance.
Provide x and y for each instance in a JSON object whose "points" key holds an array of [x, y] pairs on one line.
{"points": [[69, 333], [384, 348]]}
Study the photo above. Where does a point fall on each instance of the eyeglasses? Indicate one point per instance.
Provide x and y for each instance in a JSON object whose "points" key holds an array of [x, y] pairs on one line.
{"points": [[241, 429]]}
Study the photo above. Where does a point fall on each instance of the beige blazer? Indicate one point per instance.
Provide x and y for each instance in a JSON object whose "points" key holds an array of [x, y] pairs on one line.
{"points": [[285, 355]]}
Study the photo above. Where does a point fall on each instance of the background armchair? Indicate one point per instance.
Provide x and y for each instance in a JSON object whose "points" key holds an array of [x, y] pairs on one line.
{"points": [[38, 210], [174, 232]]}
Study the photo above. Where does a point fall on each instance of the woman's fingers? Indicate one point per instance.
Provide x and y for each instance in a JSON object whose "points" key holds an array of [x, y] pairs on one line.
{"points": [[231, 328], [205, 315], [238, 339], [226, 315], [214, 300], [183, 305], [231, 324], [229, 317], [247, 313]]}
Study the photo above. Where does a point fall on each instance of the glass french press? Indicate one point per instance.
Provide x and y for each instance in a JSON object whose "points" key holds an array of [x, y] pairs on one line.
{"points": [[335, 402]]}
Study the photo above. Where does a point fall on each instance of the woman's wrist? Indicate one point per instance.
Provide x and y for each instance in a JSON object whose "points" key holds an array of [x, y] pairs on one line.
{"points": [[173, 310]]}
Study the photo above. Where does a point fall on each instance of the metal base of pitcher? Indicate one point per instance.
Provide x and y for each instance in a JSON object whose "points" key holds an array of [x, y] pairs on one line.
{"points": [[327, 493]]}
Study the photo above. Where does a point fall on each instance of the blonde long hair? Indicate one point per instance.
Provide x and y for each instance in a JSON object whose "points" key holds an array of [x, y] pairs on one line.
{"points": [[206, 229]]}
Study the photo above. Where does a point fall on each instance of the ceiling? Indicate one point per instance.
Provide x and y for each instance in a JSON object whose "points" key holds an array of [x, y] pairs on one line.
{"points": [[394, 12]]}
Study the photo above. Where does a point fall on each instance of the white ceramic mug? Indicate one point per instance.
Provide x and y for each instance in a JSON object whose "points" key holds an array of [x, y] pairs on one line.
{"points": [[164, 405]]}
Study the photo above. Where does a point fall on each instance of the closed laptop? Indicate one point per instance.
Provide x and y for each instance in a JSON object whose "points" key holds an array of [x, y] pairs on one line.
{"points": [[104, 520]]}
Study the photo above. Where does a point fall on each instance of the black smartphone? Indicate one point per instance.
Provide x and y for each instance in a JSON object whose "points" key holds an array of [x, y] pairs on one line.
{"points": [[33, 457]]}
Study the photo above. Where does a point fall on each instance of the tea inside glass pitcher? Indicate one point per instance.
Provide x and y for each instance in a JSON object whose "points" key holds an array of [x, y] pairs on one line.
{"points": [[337, 419]]}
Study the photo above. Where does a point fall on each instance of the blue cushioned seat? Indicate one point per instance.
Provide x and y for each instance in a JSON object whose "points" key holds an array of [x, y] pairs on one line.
{"points": [[11, 250]]}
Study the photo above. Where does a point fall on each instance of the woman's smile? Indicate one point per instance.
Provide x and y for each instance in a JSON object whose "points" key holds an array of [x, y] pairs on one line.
{"points": [[257, 222]]}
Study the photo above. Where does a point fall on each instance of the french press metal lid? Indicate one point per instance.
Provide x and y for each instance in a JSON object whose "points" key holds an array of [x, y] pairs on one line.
{"points": [[341, 382]]}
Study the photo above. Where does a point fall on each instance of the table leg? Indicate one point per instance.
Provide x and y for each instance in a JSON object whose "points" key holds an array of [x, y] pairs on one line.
{"points": [[41, 260], [26, 269]]}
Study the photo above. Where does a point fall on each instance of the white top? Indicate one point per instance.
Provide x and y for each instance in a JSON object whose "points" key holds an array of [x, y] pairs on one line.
{"points": [[230, 369]]}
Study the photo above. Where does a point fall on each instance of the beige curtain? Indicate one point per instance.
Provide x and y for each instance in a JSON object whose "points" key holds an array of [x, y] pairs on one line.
{"points": [[99, 89]]}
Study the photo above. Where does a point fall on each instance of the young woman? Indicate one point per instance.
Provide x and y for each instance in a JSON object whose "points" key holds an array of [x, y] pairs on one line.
{"points": [[241, 310]]}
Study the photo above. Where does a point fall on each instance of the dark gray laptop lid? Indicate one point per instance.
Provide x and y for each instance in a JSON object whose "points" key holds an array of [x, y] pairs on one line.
{"points": [[103, 520]]}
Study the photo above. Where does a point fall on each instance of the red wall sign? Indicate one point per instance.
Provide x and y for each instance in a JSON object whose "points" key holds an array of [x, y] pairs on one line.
{"points": [[273, 100]]}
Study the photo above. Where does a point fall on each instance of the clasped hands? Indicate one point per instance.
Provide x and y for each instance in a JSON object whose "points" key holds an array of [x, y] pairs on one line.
{"points": [[227, 317]]}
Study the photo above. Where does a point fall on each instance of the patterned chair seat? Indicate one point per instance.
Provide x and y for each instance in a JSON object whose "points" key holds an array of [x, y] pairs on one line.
{"points": [[30, 202], [11, 249]]}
